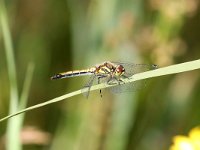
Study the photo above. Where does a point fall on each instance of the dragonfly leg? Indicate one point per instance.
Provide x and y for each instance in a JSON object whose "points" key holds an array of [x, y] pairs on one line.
{"points": [[112, 81], [126, 77], [120, 81], [115, 80], [109, 81]]}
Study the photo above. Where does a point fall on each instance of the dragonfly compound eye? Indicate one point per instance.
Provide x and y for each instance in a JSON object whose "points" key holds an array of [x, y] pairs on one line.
{"points": [[119, 70]]}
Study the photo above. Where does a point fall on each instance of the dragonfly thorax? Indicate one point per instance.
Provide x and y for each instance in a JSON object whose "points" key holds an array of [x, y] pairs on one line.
{"points": [[110, 69]]}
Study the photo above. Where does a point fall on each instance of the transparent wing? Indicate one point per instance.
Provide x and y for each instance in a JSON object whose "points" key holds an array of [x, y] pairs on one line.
{"points": [[94, 80], [129, 87], [86, 89], [131, 69]]}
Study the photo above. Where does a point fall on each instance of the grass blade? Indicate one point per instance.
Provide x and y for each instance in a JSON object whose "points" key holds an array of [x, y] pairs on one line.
{"points": [[13, 132]]}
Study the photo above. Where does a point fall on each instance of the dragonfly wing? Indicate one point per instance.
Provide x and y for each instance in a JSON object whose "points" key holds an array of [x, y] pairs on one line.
{"points": [[131, 68], [86, 89], [129, 87]]}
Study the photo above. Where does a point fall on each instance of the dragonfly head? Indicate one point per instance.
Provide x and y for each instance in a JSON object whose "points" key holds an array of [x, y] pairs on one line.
{"points": [[120, 70]]}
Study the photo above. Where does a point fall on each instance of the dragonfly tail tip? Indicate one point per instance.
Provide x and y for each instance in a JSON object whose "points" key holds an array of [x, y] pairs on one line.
{"points": [[57, 76]]}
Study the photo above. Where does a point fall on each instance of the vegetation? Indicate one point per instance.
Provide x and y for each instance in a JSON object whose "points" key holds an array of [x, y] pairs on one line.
{"points": [[41, 38]]}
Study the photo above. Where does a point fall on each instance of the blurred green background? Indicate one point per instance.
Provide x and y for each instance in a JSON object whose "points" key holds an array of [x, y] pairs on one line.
{"points": [[57, 36]]}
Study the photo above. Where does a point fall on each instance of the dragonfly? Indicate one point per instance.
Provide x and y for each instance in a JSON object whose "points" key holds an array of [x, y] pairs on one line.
{"points": [[110, 73]]}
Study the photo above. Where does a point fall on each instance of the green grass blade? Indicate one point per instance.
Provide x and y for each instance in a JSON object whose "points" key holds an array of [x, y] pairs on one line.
{"points": [[26, 86], [25, 91], [13, 132], [173, 69], [9, 57]]}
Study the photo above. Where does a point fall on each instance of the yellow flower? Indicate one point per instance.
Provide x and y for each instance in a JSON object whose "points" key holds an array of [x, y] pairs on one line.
{"points": [[191, 142], [194, 135]]}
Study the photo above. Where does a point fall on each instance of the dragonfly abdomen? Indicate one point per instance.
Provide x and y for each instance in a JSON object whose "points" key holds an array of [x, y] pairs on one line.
{"points": [[73, 74]]}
